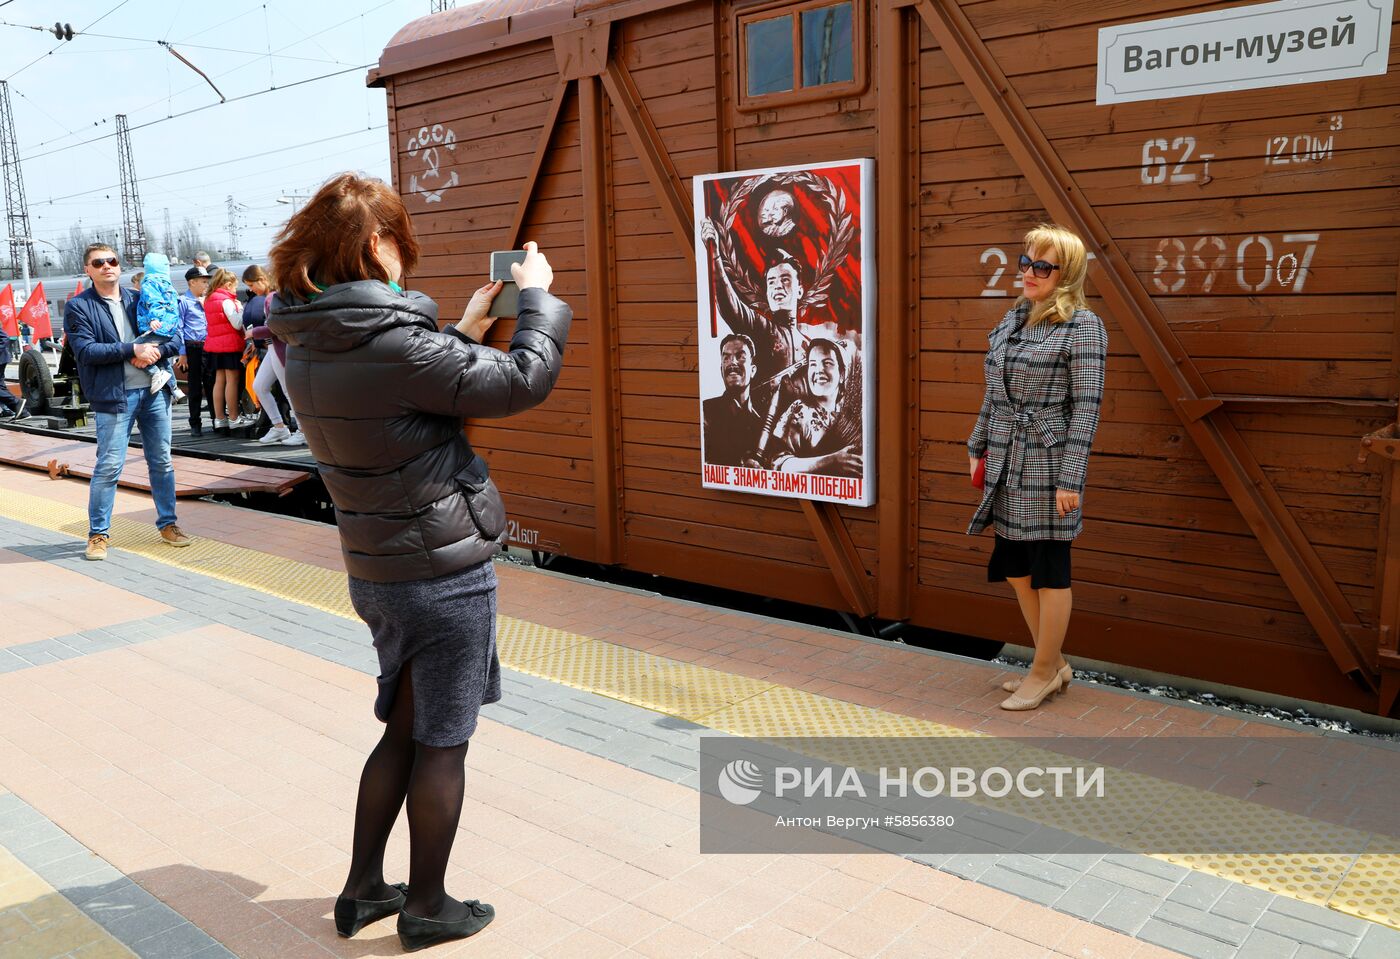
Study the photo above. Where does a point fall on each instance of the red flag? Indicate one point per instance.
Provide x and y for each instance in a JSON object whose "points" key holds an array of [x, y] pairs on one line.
{"points": [[36, 314], [7, 311], [79, 289]]}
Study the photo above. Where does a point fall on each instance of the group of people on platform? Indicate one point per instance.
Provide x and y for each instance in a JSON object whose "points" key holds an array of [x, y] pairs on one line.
{"points": [[219, 334]]}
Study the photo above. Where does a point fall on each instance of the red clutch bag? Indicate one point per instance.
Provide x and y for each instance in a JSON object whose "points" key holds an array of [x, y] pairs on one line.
{"points": [[979, 475]]}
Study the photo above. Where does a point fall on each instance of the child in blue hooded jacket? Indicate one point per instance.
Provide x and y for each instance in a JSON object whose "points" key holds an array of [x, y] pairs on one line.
{"points": [[157, 314]]}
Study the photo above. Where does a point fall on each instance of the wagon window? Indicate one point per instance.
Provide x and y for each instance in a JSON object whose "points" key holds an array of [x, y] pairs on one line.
{"points": [[800, 51], [770, 56], [826, 45]]}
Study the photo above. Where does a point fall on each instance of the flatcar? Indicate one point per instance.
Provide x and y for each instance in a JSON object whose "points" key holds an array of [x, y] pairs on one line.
{"points": [[1233, 169]]}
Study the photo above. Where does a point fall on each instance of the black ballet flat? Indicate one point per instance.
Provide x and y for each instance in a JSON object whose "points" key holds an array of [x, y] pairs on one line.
{"points": [[352, 915], [415, 933]]}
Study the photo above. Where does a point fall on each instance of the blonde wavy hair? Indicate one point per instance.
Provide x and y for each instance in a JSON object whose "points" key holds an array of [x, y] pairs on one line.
{"points": [[222, 280], [1073, 261]]}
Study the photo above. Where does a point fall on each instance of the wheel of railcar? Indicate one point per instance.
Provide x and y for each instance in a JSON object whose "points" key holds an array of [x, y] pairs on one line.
{"points": [[35, 381]]}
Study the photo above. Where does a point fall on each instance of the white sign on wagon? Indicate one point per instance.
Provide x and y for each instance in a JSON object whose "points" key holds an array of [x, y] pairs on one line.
{"points": [[1244, 48]]}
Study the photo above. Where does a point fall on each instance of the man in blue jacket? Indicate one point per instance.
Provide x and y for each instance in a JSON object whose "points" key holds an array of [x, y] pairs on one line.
{"points": [[100, 324], [199, 377]]}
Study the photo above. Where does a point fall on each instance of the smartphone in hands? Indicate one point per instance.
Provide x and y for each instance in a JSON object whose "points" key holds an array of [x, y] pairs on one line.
{"points": [[507, 301]]}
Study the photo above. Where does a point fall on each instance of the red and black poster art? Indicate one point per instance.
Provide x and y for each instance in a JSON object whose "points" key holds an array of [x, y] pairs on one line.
{"points": [[786, 293]]}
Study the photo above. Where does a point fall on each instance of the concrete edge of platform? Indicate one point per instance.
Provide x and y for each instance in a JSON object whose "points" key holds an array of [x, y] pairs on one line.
{"points": [[1151, 677], [128, 913]]}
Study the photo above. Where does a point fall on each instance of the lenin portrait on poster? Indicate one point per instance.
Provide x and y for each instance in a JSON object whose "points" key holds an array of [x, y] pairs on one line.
{"points": [[786, 292]]}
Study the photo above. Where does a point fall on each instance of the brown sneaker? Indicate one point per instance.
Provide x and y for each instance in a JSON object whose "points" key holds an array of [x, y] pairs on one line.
{"points": [[97, 546], [174, 536]]}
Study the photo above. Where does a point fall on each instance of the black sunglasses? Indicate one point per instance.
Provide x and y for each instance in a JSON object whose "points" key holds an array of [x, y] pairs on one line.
{"points": [[1039, 267], [102, 261]]}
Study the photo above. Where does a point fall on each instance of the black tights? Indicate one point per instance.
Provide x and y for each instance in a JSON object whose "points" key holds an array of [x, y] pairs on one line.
{"points": [[432, 779]]}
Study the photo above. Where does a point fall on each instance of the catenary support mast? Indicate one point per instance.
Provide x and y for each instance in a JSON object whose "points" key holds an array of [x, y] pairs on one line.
{"points": [[133, 230], [16, 207]]}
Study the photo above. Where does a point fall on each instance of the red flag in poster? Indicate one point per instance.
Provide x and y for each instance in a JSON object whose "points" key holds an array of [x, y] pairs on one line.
{"points": [[7, 311], [36, 314]]}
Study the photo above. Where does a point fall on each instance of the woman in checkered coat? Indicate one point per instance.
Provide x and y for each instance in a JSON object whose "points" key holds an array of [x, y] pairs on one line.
{"points": [[1045, 374]]}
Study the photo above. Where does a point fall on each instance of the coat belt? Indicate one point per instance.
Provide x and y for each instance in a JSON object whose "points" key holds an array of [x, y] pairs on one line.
{"points": [[1042, 420]]}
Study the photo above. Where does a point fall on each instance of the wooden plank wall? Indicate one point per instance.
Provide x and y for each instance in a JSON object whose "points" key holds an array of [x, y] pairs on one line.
{"points": [[1163, 546], [496, 104], [673, 526]]}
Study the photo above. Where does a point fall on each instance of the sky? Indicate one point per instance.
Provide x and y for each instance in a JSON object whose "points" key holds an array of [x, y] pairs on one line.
{"points": [[256, 149]]}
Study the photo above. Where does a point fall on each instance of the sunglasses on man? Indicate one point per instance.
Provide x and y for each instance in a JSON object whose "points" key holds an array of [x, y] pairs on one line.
{"points": [[1039, 267], [99, 262]]}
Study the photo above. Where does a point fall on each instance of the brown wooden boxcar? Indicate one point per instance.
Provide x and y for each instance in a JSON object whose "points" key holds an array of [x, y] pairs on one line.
{"points": [[1246, 265]]}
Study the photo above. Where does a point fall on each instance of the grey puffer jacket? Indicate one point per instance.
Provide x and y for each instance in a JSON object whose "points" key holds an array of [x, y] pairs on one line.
{"points": [[381, 395]]}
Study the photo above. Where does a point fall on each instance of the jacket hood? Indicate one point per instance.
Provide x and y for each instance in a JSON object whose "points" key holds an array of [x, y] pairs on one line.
{"points": [[347, 315]]}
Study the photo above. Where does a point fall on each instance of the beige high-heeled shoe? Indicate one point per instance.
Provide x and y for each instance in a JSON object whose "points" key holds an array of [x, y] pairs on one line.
{"points": [[1017, 701], [1067, 674]]}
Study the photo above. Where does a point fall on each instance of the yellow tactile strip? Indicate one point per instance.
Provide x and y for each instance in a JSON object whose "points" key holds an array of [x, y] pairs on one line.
{"points": [[37, 922], [1367, 886]]}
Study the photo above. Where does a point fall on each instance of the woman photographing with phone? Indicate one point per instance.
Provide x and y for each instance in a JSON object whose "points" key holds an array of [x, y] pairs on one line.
{"points": [[380, 396], [1045, 373]]}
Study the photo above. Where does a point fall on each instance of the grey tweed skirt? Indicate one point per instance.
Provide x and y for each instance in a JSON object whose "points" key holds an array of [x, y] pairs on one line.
{"points": [[445, 630]]}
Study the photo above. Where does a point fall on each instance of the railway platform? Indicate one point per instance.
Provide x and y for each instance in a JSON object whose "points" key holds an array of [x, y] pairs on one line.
{"points": [[181, 732]]}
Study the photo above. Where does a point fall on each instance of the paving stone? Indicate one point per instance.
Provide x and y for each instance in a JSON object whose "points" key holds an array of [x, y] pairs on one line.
{"points": [[1312, 952], [1320, 916], [1379, 942], [968, 867], [1262, 944], [122, 899], [1203, 922], [1119, 874], [1054, 873], [1242, 903], [1027, 887], [80, 895], [1185, 941], [54, 846], [178, 942], [72, 870], [133, 927], [1086, 897], [1127, 911], [1307, 933]]}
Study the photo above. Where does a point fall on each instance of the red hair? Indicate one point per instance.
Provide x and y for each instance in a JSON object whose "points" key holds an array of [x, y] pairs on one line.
{"points": [[328, 240]]}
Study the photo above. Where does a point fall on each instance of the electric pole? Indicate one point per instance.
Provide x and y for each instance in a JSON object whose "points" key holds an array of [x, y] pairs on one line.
{"points": [[234, 250], [16, 208], [438, 6], [169, 236], [133, 230]]}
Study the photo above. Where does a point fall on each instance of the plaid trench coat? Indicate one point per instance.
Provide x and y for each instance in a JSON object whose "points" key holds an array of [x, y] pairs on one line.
{"points": [[1039, 415]]}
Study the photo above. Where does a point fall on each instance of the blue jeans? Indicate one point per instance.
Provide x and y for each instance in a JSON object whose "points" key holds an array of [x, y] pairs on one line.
{"points": [[150, 413]]}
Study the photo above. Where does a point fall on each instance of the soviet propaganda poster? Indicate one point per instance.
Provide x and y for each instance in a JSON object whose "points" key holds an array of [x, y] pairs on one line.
{"points": [[786, 294]]}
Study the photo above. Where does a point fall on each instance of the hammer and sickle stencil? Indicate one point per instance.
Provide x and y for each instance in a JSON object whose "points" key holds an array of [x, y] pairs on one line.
{"points": [[430, 141]]}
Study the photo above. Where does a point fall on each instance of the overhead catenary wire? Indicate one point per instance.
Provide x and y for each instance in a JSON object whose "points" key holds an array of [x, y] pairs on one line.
{"points": [[207, 166], [256, 59], [168, 43], [62, 42], [200, 109]]}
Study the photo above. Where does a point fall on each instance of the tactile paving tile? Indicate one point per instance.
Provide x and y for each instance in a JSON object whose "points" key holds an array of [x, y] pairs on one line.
{"points": [[1367, 886], [1371, 887], [644, 679], [519, 642], [1307, 878]]}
